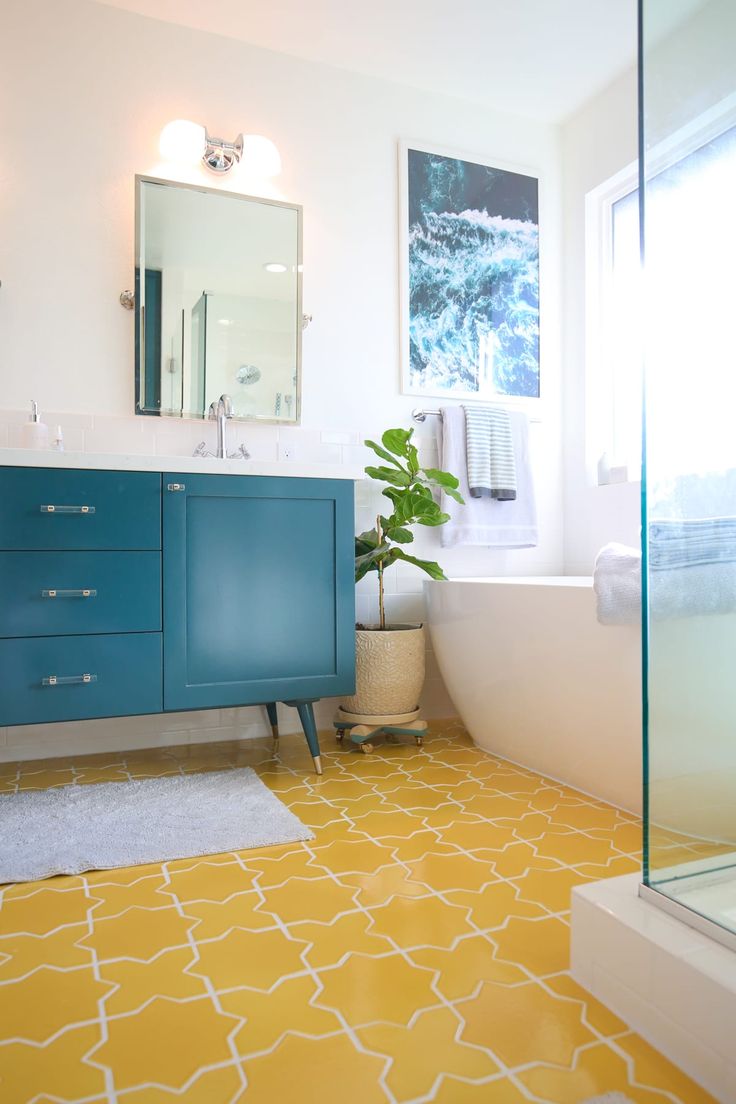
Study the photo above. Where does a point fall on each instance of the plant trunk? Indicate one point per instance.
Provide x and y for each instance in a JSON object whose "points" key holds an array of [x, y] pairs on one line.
{"points": [[381, 608]]}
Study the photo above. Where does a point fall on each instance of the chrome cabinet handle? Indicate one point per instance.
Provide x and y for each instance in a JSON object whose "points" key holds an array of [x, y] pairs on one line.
{"points": [[67, 680], [67, 509], [69, 593], [176, 486]]}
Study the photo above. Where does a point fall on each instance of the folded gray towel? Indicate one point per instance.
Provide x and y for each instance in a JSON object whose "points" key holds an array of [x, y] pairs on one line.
{"points": [[490, 453], [692, 591], [687, 542]]}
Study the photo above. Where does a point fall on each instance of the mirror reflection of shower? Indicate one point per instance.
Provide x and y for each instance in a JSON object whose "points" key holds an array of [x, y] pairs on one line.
{"points": [[246, 341]]}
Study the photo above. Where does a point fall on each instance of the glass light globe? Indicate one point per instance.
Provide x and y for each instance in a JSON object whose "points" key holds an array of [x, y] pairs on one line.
{"points": [[182, 141], [260, 156]]}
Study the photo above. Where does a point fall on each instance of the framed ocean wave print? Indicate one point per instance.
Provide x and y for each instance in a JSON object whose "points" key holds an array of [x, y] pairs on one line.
{"points": [[469, 276]]}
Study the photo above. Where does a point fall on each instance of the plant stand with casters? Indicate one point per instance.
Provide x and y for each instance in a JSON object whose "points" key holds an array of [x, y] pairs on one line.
{"points": [[364, 728]]}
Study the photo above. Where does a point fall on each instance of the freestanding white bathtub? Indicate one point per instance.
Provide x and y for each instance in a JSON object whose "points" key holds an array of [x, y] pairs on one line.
{"points": [[536, 679]]}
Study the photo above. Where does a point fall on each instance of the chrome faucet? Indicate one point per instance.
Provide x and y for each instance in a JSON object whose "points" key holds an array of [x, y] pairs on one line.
{"points": [[220, 412]]}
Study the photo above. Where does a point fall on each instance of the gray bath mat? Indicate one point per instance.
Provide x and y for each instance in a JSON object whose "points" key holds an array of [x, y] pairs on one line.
{"points": [[70, 829], [609, 1098]]}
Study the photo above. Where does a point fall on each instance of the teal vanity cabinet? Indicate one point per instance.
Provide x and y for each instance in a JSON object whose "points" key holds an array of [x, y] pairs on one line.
{"points": [[258, 592], [136, 592]]}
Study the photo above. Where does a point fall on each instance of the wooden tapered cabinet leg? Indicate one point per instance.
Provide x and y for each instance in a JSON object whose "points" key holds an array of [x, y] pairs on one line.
{"points": [[273, 719]]}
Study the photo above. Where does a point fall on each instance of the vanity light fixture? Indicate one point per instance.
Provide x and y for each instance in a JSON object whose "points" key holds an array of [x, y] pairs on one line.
{"points": [[184, 141]]}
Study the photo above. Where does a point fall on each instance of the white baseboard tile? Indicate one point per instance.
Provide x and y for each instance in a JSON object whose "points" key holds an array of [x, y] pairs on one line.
{"points": [[646, 967]]}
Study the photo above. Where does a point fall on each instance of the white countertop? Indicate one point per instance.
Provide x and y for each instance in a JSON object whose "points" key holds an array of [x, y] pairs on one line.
{"points": [[108, 461]]}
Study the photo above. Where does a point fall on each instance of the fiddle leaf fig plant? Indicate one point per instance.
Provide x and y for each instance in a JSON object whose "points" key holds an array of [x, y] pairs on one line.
{"points": [[410, 492]]}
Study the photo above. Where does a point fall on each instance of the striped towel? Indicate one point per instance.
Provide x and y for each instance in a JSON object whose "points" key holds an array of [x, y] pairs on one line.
{"points": [[490, 453]]}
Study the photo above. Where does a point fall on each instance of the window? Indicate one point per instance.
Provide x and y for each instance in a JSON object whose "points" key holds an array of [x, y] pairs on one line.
{"points": [[613, 341], [690, 226]]}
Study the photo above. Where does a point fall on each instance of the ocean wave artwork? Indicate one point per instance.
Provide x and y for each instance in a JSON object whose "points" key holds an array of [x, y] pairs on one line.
{"points": [[473, 278]]}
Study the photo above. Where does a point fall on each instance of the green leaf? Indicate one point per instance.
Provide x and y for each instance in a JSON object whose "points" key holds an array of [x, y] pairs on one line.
{"points": [[412, 456], [383, 453], [399, 534], [455, 494], [442, 477], [432, 569], [396, 441], [399, 478]]}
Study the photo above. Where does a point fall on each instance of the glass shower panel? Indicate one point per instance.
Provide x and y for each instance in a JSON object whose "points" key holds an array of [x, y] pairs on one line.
{"points": [[689, 207]]}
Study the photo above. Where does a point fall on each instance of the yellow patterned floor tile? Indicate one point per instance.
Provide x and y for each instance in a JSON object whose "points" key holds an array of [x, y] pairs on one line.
{"points": [[470, 962], [517, 858], [351, 934], [164, 976], [358, 857], [146, 891], [212, 919], [378, 889], [255, 959], [326, 900], [414, 849], [422, 1053], [209, 882], [138, 933], [551, 888], [46, 780], [491, 907], [219, 1086], [441, 872], [166, 1043], [368, 989], [267, 1016], [41, 911], [19, 954], [574, 848], [475, 835], [523, 1024], [541, 946], [652, 1068], [278, 865], [421, 921], [37, 1006], [596, 1015], [378, 824], [501, 1091], [598, 1070], [55, 1071], [322, 1071]]}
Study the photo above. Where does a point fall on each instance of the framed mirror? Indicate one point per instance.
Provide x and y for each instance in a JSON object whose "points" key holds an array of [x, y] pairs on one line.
{"points": [[218, 298]]}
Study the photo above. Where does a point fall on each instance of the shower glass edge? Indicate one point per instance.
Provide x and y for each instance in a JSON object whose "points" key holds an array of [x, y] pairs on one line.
{"points": [[687, 198]]}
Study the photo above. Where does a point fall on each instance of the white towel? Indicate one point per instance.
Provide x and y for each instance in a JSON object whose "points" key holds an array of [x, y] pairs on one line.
{"points": [[700, 590], [617, 585], [487, 521]]}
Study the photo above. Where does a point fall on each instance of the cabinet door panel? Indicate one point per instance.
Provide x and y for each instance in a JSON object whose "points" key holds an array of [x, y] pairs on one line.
{"points": [[258, 590]]}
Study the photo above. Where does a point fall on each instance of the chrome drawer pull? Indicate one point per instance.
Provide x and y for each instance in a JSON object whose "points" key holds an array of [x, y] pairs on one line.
{"points": [[67, 680], [67, 509], [68, 593], [176, 486]]}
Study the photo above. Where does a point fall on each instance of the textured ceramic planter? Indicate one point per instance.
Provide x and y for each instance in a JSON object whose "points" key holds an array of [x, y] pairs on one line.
{"points": [[389, 671]]}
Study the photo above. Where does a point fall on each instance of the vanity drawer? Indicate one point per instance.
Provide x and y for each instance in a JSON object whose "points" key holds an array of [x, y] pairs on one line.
{"points": [[64, 508], [60, 593], [96, 676]]}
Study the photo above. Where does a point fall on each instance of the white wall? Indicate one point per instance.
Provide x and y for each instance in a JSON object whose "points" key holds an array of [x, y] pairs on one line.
{"points": [[597, 142], [97, 85]]}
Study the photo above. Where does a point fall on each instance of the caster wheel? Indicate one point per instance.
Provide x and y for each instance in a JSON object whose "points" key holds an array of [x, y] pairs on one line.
{"points": [[366, 748], [339, 735]]}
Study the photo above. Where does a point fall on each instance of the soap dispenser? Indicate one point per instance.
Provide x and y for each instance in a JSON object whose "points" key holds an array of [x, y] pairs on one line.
{"points": [[34, 432]]}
